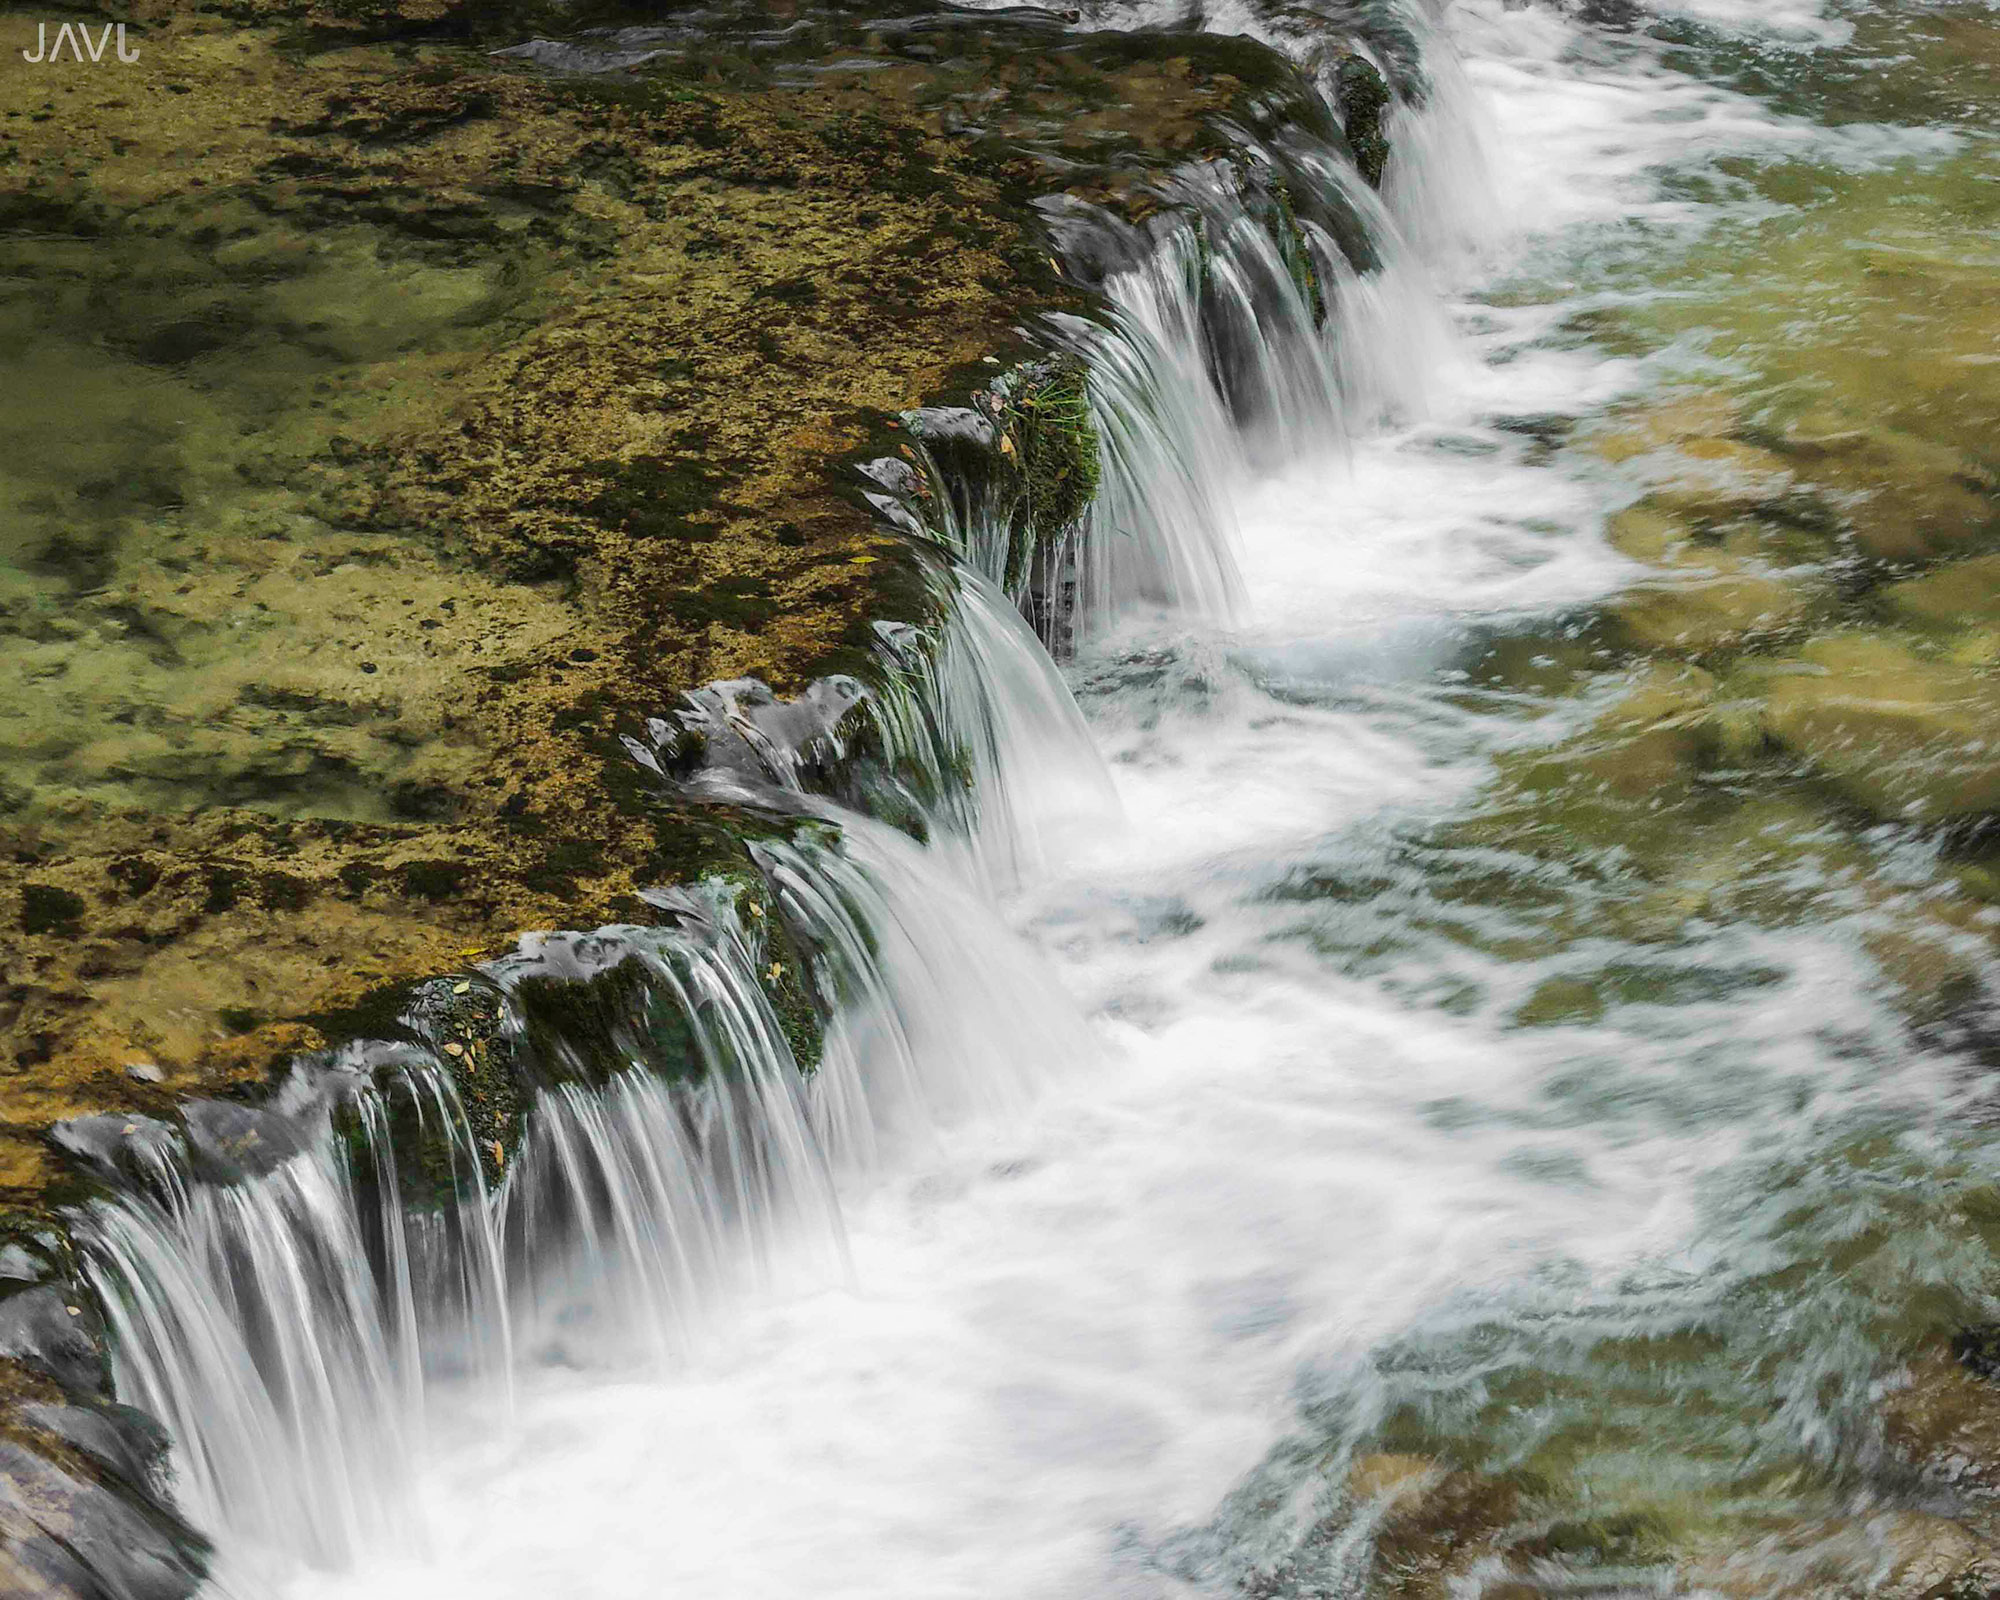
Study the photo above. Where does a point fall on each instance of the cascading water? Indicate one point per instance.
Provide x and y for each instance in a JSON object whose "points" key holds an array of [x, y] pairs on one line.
{"points": [[939, 746], [296, 1326], [991, 1302]]}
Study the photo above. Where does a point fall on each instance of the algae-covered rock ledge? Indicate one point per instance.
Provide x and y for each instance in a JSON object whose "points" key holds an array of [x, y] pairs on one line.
{"points": [[392, 423]]}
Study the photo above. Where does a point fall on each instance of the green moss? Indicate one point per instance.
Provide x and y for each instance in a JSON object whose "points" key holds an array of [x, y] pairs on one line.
{"points": [[1297, 255], [784, 973], [47, 909], [1041, 472], [653, 497], [1059, 448], [1364, 101]]}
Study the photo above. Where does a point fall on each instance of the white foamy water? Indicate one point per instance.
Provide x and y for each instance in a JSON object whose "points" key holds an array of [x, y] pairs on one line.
{"points": [[1076, 1311]]}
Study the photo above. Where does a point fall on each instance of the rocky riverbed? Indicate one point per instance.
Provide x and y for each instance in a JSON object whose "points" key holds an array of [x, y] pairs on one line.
{"points": [[410, 400]]}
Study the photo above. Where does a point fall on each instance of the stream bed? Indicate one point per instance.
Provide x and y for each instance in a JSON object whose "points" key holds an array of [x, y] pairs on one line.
{"points": [[1476, 1069]]}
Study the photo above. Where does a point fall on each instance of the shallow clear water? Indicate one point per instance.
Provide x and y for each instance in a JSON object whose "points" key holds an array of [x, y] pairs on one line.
{"points": [[1325, 1180]]}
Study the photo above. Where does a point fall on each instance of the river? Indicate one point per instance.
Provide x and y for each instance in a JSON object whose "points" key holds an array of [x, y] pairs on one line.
{"points": [[1332, 1086]]}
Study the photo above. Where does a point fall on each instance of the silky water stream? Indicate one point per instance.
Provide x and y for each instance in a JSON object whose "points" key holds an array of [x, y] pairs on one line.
{"points": [[1286, 1083]]}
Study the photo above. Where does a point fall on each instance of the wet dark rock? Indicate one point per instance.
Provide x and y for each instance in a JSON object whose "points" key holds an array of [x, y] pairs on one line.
{"points": [[739, 737], [63, 1535], [128, 1149], [617, 50], [1618, 14], [1544, 427], [230, 1142], [49, 1331], [1978, 1350], [121, 1439]]}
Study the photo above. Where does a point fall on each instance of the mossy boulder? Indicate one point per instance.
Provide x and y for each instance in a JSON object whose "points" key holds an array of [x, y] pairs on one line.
{"points": [[1908, 737]]}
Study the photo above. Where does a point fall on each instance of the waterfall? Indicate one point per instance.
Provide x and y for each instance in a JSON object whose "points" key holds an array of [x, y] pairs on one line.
{"points": [[968, 739], [252, 1319], [1273, 303], [580, 1149], [297, 1327]]}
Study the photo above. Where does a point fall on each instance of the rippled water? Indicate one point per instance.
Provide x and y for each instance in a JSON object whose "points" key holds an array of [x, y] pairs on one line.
{"points": [[1414, 1121]]}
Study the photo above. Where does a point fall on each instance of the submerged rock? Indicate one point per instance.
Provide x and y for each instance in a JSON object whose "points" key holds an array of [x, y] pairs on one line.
{"points": [[1561, 1000], [1894, 1555], [1432, 1522], [1943, 1420], [1910, 738], [1717, 479], [1644, 746], [1963, 594], [1900, 498], [1720, 602], [1698, 414]]}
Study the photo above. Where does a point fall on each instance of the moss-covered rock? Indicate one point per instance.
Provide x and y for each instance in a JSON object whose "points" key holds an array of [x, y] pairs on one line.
{"points": [[1364, 104], [1021, 466]]}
